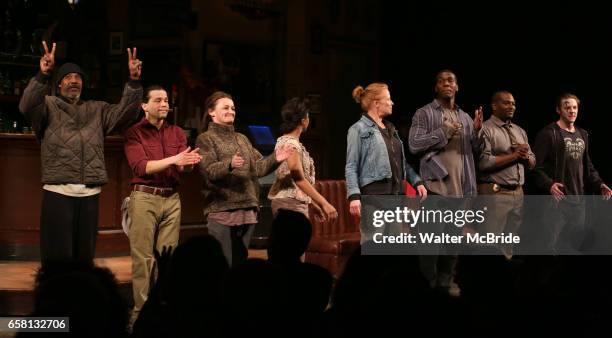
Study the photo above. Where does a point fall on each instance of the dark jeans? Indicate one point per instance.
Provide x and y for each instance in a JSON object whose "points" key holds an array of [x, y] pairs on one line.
{"points": [[438, 260], [234, 240], [372, 203], [68, 228], [567, 226]]}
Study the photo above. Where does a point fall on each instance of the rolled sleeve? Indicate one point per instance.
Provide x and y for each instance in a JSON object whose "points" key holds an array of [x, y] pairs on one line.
{"points": [[486, 158]]}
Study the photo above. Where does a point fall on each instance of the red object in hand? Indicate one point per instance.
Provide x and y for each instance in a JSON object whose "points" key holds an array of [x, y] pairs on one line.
{"points": [[409, 190]]}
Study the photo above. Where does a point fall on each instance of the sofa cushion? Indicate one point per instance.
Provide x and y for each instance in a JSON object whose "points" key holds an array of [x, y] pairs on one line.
{"points": [[334, 191]]}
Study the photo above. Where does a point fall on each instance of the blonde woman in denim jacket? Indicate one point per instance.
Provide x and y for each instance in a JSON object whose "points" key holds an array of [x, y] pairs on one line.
{"points": [[375, 160]]}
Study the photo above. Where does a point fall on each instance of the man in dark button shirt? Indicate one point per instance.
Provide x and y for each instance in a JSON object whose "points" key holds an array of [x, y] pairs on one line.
{"points": [[565, 171], [157, 153]]}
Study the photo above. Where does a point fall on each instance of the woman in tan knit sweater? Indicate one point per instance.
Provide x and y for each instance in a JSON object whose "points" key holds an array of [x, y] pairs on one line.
{"points": [[230, 167]]}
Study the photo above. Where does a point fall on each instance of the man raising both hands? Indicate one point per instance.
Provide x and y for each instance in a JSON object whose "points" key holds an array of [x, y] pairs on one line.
{"points": [[71, 134]]}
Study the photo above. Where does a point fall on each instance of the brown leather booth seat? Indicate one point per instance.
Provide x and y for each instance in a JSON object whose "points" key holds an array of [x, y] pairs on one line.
{"points": [[331, 245]]}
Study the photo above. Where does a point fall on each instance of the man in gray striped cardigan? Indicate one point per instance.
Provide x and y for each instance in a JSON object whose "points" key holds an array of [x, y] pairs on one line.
{"points": [[446, 139]]}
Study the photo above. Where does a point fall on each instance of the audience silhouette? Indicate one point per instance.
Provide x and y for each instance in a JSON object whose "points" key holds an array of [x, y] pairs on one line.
{"points": [[197, 294]]}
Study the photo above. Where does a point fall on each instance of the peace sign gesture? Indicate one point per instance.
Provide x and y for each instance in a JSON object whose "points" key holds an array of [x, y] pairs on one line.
{"points": [[134, 64], [47, 61]]}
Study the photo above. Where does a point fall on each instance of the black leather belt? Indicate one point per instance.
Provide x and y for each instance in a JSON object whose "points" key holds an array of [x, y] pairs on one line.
{"points": [[497, 187], [511, 187], [164, 192]]}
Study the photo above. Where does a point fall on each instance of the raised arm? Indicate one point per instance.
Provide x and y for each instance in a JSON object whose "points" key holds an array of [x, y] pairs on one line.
{"points": [[116, 116], [476, 135], [32, 102], [264, 166]]}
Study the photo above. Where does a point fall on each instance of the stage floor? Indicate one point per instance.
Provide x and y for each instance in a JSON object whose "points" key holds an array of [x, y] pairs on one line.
{"points": [[17, 281]]}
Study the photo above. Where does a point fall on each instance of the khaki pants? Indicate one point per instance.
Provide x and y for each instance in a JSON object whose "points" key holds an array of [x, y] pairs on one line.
{"points": [[155, 223], [505, 215]]}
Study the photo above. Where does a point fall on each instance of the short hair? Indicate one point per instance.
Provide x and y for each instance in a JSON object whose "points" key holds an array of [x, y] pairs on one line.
{"points": [[445, 71], [293, 112], [365, 96], [149, 89], [210, 104], [496, 96], [567, 96]]}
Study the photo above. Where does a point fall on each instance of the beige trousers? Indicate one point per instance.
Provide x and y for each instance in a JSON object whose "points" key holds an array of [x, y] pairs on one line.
{"points": [[505, 215], [155, 223]]}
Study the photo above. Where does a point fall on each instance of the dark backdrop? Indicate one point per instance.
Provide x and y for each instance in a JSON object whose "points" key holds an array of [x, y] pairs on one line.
{"points": [[536, 53]]}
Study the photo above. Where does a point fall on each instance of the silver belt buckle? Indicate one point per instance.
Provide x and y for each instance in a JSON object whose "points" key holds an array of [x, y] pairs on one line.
{"points": [[496, 187]]}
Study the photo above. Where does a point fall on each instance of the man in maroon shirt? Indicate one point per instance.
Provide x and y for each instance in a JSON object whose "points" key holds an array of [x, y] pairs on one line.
{"points": [[157, 153]]}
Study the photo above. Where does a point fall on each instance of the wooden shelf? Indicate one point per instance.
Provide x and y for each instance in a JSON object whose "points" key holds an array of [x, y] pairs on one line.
{"points": [[17, 136]]}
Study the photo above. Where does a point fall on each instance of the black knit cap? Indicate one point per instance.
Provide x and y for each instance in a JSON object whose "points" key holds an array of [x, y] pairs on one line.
{"points": [[68, 68]]}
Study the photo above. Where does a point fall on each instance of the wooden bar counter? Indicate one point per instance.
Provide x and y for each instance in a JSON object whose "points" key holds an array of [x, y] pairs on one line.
{"points": [[21, 197]]}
